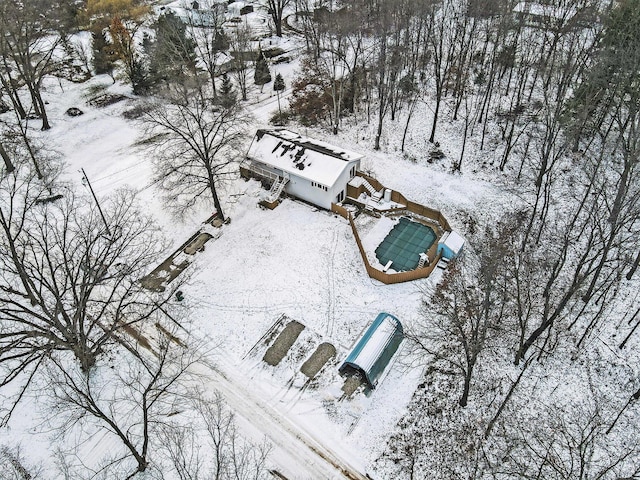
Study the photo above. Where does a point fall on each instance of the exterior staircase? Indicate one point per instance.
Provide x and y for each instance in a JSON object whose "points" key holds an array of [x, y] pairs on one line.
{"points": [[373, 193], [369, 188], [276, 188]]}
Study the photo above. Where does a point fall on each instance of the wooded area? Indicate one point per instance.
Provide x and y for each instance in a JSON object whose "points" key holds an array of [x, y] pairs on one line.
{"points": [[546, 99]]}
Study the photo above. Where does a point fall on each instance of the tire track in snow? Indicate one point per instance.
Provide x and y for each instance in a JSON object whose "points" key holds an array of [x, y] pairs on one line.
{"points": [[252, 309], [331, 302], [299, 454], [278, 308]]}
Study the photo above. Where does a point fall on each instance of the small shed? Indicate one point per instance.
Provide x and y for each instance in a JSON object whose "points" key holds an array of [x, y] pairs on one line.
{"points": [[450, 245], [374, 350]]}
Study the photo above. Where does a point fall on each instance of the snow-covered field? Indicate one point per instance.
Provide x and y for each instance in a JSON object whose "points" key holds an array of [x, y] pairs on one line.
{"points": [[295, 260]]}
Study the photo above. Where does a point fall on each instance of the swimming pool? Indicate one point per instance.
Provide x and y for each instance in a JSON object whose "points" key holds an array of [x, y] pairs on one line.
{"points": [[404, 244]]}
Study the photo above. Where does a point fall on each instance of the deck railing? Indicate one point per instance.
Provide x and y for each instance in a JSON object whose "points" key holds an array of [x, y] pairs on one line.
{"points": [[253, 167], [385, 277], [413, 207]]}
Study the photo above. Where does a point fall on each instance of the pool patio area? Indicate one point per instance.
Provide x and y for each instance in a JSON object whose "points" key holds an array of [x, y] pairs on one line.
{"points": [[403, 246], [399, 240]]}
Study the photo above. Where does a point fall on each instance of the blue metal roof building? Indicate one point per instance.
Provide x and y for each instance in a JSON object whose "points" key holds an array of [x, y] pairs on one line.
{"points": [[375, 348], [451, 245]]}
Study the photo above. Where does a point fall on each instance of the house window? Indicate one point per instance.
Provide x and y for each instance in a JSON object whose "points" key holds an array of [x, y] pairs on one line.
{"points": [[317, 185], [353, 171], [340, 197]]}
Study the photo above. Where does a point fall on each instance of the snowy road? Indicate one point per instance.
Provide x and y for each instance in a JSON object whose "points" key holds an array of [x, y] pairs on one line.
{"points": [[297, 454], [267, 105]]}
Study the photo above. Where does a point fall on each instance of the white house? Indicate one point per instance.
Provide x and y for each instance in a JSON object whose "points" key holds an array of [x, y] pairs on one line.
{"points": [[199, 13], [314, 171], [543, 14]]}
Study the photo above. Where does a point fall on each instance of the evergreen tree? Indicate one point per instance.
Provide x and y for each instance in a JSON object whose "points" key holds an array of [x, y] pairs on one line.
{"points": [[140, 78], [135, 66], [104, 55], [123, 19], [220, 41], [172, 54], [227, 96], [278, 86], [278, 83], [262, 74]]}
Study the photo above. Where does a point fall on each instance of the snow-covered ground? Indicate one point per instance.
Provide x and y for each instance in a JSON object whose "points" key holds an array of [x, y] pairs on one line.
{"points": [[296, 261]]}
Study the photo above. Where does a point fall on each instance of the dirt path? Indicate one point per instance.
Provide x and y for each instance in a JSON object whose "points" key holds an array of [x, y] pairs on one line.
{"points": [[331, 285], [297, 454]]}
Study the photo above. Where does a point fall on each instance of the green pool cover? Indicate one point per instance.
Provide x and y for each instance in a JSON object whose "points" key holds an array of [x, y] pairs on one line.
{"points": [[404, 244]]}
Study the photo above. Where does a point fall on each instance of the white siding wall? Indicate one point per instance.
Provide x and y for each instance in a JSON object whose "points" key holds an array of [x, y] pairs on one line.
{"points": [[305, 190], [302, 188], [341, 183]]}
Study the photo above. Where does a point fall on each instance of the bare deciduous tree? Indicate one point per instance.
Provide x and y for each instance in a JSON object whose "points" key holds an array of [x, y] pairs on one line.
{"points": [[240, 43], [571, 443], [276, 11], [132, 402], [197, 143], [335, 46], [457, 322], [28, 40], [8, 164], [210, 40], [14, 465], [65, 284], [436, 439], [226, 454]]}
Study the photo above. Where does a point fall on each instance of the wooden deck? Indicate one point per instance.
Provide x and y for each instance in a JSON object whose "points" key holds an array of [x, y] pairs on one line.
{"points": [[419, 213]]}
